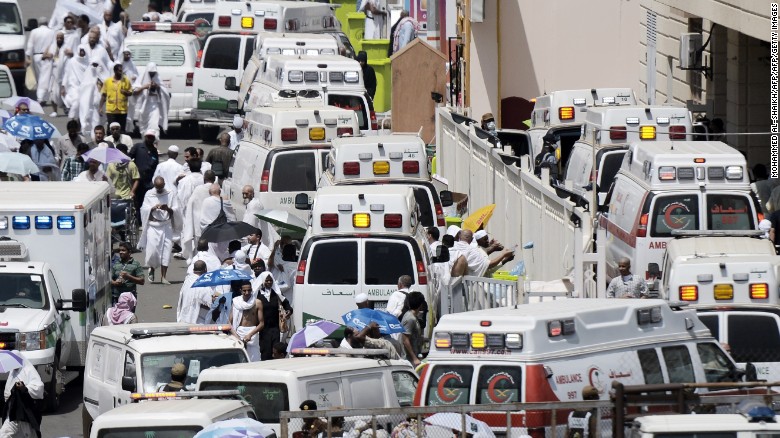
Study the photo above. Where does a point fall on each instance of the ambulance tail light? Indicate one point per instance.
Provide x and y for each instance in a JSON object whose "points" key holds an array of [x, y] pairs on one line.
{"points": [[561, 327], [264, 180], [759, 291], [301, 272], [514, 341], [495, 341], [677, 132], [478, 340], [734, 172], [422, 276], [394, 220], [329, 220], [566, 113], [359, 220], [224, 21], [316, 134], [351, 168], [667, 173], [442, 340], [723, 291], [269, 24], [760, 216], [343, 131], [647, 132], [617, 133], [188, 81], [381, 167], [689, 293], [440, 215], [410, 167], [374, 124], [642, 229], [289, 134]]}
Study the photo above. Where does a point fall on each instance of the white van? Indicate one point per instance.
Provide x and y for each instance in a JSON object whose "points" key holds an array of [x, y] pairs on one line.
{"points": [[360, 240], [337, 77], [7, 83], [703, 425], [177, 418], [274, 16], [283, 384], [549, 351], [674, 185], [12, 40], [387, 159], [609, 130], [283, 153], [176, 55], [123, 359]]}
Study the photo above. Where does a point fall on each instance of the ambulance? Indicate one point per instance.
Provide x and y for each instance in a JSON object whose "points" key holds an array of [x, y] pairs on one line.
{"points": [[549, 351], [731, 280], [387, 159], [360, 240], [283, 153], [664, 186], [606, 134], [340, 79], [274, 16], [705, 425]]}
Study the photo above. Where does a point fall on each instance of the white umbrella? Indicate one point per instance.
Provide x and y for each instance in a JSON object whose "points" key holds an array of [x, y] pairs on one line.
{"points": [[16, 163], [8, 143], [34, 106], [9, 361], [105, 154], [452, 420]]}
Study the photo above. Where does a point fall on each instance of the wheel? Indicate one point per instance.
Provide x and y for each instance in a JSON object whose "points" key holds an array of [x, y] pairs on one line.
{"points": [[208, 133], [50, 397], [190, 129]]}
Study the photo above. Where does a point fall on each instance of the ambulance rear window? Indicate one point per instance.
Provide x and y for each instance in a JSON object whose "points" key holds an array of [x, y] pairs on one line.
{"points": [[449, 385], [729, 212], [676, 212], [354, 103], [334, 263], [302, 164], [222, 53], [498, 384], [386, 261], [267, 398], [754, 338]]}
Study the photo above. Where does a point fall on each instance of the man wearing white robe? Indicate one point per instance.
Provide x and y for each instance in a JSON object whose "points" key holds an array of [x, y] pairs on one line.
{"points": [[212, 262], [160, 214], [57, 53], [112, 35], [169, 169], [252, 207], [24, 377], [476, 259], [209, 211], [75, 70], [194, 302], [95, 49], [191, 230], [39, 40], [152, 100]]}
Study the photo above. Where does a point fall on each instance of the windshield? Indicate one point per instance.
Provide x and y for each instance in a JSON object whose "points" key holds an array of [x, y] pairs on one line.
{"points": [[22, 290], [268, 399], [717, 366], [164, 55], [10, 21], [350, 102], [156, 432], [156, 368]]}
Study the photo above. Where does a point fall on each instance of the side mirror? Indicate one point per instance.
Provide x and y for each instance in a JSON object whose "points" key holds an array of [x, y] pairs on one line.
{"points": [[442, 254], [751, 374], [302, 201], [446, 198], [128, 383], [32, 23], [232, 107], [79, 301], [230, 84]]}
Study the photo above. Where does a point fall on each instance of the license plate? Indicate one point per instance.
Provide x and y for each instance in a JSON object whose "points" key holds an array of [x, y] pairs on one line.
{"points": [[380, 305], [166, 83]]}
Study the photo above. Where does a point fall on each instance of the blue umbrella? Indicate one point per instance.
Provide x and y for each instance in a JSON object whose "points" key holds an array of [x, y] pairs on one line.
{"points": [[237, 427], [220, 277], [359, 318], [29, 127]]}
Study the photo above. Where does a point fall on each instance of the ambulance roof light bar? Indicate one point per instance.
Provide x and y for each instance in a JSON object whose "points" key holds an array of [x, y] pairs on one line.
{"points": [[156, 26], [137, 396], [172, 331], [478, 340]]}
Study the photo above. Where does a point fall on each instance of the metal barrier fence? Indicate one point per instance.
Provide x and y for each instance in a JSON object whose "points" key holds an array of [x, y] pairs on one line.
{"points": [[527, 209]]}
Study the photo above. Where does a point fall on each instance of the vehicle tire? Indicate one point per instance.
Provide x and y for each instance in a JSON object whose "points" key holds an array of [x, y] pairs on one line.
{"points": [[190, 129], [208, 133], [50, 397]]}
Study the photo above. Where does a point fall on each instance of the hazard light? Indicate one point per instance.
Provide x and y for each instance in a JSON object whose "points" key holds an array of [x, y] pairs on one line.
{"points": [[566, 112], [759, 291], [289, 134], [361, 220], [478, 340], [300, 272], [641, 230], [43, 223], [329, 220], [351, 168], [264, 178], [647, 132], [723, 291], [442, 340], [247, 22], [393, 220], [381, 167], [689, 293], [269, 24], [422, 276], [617, 132], [316, 134], [667, 173]]}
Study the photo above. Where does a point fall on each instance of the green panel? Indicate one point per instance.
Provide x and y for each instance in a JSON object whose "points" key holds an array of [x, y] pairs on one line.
{"points": [[384, 84], [356, 22], [211, 101]]}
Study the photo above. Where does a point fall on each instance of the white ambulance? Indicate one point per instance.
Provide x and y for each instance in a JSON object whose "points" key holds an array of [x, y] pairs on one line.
{"points": [[274, 16], [283, 153], [387, 159], [731, 280], [360, 240], [704, 425], [549, 351], [674, 185], [606, 134], [340, 79]]}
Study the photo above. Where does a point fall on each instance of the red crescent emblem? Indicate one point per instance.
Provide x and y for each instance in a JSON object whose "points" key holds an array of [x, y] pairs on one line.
{"points": [[590, 376], [491, 393], [440, 388], [674, 224]]}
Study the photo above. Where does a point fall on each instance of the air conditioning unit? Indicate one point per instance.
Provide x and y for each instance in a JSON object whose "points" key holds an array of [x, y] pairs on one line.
{"points": [[690, 51]]}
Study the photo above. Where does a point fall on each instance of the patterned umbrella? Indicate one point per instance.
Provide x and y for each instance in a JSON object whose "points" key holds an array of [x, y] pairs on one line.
{"points": [[106, 154], [220, 277], [359, 318], [312, 333], [30, 127], [237, 427]]}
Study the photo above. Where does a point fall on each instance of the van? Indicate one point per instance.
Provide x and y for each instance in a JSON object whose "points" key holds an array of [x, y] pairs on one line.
{"points": [[664, 186], [337, 77], [731, 280], [283, 153], [123, 359], [176, 55], [609, 130], [387, 159], [703, 425], [360, 240], [274, 16], [12, 40], [177, 418], [283, 384], [549, 351]]}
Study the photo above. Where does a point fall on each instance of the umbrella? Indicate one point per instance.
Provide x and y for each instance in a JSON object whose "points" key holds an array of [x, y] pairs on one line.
{"points": [[8, 143], [16, 163], [479, 218], [452, 420], [359, 318], [227, 231], [105, 154], [312, 333], [9, 361], [283, 219], [13, 102], [220, 277], [29, 127], [237, 427]]}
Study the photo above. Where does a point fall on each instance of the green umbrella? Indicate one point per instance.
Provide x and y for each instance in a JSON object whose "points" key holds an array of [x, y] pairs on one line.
{"points": [[283, 219]]}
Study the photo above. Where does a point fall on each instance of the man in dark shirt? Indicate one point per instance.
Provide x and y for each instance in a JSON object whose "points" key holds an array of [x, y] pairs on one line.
{"points": [[146, 158], [220, 157], [369, 76], [774, 232]]}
